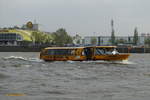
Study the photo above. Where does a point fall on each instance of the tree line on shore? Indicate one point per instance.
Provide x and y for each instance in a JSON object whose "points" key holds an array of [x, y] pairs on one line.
{"points": [[58, 38]]}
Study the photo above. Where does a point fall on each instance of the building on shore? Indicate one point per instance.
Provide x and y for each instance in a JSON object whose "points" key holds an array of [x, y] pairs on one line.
{"points": [[14, 37], [120, 40]]}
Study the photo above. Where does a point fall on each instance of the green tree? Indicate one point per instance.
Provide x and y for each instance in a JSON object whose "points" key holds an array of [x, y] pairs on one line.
{"points": [[48, 39], [40, 37], [61, 37], [135, 37], [147, 41], [93, 41], [122, 41], [78, 41]]}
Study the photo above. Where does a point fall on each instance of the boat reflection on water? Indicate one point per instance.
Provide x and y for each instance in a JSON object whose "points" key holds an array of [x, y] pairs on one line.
{"points": [[93, 53]]}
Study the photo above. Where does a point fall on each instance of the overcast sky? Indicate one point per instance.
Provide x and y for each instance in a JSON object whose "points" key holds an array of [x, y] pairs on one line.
{"points": [[86, 17]]}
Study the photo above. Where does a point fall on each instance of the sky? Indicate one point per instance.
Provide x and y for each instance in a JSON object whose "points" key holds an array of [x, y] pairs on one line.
{"points": [[83, 17]]}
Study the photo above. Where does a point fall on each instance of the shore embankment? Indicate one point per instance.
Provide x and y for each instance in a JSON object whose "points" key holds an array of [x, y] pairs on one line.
{"points": [[21, 48], [133, 50], [39, 48]]}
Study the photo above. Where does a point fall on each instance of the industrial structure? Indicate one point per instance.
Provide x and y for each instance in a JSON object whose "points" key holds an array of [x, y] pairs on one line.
{"points": [[120, 40]]}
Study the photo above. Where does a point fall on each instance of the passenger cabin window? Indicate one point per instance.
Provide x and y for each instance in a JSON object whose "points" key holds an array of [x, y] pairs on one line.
{"points": [[61, 52], [99, 51], [107, 51]]}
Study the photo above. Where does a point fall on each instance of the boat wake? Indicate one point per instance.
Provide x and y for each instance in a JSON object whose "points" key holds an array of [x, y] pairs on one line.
{"points": [[35, 60], [14, 58], [104, 62], [127, 62], [23, 59]]}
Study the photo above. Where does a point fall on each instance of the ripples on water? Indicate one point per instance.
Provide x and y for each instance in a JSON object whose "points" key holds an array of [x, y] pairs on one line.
{"points": [[24, 73]]}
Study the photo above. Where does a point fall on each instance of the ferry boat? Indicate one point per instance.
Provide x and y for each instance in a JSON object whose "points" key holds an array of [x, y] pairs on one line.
{"points": [[107, 53]]}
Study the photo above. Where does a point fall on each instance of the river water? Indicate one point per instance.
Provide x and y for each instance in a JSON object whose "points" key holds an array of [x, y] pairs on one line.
{"points": [[24, 73]]}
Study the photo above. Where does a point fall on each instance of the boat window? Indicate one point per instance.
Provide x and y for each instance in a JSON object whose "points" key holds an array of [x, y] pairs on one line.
{"points": [[99, 51], [61, 52]]}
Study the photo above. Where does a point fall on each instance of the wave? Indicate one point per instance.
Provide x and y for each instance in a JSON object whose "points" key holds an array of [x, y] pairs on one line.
{"points": [[104, 62], [14, 57], [72, 62], [35, 60], [128, 62], [22, 58]]}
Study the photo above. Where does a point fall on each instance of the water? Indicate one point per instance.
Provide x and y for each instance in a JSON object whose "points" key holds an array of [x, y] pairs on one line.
{"points": [[24, 73]]}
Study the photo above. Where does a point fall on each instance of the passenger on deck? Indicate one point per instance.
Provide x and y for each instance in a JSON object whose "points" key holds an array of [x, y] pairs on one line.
{"points": [[114, 52]]}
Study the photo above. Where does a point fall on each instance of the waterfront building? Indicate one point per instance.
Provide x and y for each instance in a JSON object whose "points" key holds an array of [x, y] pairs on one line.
{"points": [[14, 36]]}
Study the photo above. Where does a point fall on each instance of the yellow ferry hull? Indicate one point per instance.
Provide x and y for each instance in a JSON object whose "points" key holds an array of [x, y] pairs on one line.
{"points": [[63, 58], [117, 57]]}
